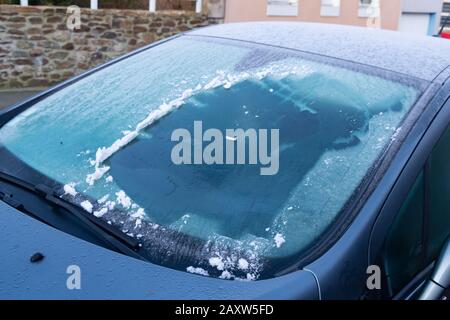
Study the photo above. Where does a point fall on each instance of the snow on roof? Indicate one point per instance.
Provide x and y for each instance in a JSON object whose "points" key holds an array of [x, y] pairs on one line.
{"points": [[418, 56]]}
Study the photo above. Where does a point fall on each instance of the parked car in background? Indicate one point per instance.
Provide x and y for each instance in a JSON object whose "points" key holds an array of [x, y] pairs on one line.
{"points": [[358, 209], [445, 24]]}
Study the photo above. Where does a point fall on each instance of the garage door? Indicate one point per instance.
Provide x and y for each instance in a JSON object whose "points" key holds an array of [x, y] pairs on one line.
{"points": [[417, 23]]}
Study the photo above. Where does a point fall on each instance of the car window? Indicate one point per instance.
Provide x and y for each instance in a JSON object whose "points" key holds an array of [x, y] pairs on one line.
{"points": [[439, 220], [423, 223], [108, 138], [403, 256]]}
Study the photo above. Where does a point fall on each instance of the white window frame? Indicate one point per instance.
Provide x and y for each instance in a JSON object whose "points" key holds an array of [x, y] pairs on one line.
{"points": [[198, 6], [330, 8], [282, 8], [369, 10]]}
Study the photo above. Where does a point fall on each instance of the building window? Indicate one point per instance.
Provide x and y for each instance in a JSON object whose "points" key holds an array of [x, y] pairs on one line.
{"points": [[369, 8], [330, 8], [287, 8]]}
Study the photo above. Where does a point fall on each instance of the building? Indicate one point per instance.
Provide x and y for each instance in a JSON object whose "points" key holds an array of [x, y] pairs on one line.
{"points": [[445, 20], [413, 16], [420, 17]]}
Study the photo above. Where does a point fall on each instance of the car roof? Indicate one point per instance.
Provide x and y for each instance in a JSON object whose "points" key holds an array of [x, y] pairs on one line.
{"points": [[422, 57]]}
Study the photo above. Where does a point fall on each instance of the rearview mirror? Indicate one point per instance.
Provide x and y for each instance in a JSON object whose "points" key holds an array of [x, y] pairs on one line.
{"points": [[440, 280]]}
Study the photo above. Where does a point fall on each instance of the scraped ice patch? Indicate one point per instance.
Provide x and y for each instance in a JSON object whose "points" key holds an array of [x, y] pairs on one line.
{"points": [[248, 277], [185, 218], [110, 205], [396, 133], [70, 189], [105, 153], [138, 223], [216, 262], [82, 153], [123, 199], [243, 264], [226, 275], [103, 199], [279, 240], [164, 109], [109, 179], [199, 271], [98, 173], [216, 81], [139, 214], [222, 79], [86, 205], [100, 213], [251, 277]]}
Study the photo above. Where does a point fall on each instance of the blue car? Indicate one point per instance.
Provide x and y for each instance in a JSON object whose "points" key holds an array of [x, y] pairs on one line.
{"points": [[239, 161]]}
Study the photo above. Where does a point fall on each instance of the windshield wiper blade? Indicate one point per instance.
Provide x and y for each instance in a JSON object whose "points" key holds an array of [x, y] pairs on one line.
{"points": [[119, 240]]}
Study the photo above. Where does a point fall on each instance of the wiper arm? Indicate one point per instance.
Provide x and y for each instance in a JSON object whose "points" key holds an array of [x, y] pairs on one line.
{"points": [[119, 240]]}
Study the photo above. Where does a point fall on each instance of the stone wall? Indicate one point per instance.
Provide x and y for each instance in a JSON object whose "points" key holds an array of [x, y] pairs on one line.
{"points": [[37, 49]]}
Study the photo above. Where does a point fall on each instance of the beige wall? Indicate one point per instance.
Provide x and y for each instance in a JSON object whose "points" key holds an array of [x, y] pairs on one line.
{"points": [[255, 10]]}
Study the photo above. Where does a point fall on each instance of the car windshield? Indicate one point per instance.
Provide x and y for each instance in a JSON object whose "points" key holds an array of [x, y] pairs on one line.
{"points": [[113, 139]]}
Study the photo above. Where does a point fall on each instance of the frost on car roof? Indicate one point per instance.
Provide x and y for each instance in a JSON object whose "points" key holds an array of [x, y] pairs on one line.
{"points": [[422, 57], [107, 139]]}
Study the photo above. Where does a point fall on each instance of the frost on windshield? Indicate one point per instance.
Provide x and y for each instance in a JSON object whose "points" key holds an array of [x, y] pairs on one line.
{"points": [[107, 140]]}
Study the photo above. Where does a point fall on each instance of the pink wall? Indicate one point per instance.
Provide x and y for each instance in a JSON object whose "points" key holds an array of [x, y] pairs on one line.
{"points": [[255, 10]]}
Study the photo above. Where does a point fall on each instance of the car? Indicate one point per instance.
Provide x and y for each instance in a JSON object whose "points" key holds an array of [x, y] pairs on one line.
{"points": [[261, 160], [444, 24]]}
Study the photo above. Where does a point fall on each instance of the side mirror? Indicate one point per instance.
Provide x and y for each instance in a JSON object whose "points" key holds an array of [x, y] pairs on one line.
{"points": [[440, 280]]}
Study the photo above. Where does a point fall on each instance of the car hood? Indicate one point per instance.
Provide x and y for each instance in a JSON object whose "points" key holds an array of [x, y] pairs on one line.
{"points": [[109, 275]]}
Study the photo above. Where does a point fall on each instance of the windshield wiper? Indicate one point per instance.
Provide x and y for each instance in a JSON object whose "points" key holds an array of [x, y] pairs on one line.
{"points": [[116, 238]]}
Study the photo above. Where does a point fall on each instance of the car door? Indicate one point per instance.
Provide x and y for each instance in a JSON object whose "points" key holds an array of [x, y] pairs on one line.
{"points": [[420, 206]]}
